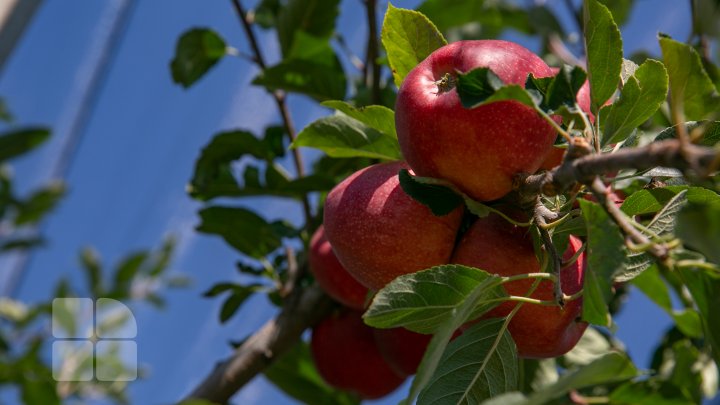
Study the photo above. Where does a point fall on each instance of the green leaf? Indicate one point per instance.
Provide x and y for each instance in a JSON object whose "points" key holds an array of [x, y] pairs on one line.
{"points": [[90, 262], [699, 227], [39, 204], [232, 303], [705, 289], [266, 13], [21, 243], [423, 301], [691, 89], [446, 14], [559, 90], [489, 18], [604, 52], [408, 37], [5, 114], [314, 17], [592, 345], [620, 9], [481, 86], [710, 131], [647, 201], [18, 142], [641, 96], [441, 200], [343, 136], [612, 367], [299, 76], [375, 116], [605, 250], [648, 392], [479, 364], [128, 269], [295, 374], [240, 228], [653, 286], [196, 52], [37, 390]]}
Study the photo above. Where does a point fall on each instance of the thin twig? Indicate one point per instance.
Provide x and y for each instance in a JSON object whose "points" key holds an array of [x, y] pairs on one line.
{"points": [[279, 98], [372, 72], [555, 260]]}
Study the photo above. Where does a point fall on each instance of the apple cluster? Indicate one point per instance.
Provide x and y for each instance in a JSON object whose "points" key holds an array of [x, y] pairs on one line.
{"points": [[374, 232]]}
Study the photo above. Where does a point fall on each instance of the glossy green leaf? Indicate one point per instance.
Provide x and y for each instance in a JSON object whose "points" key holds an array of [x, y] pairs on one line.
{"points": [[197, 51], [408, 37], [377, 117], [606, 256], [691, 89], [240, 228], [299, 76], [441, 200], [479, 364], [18, 142], [423, 301], [314, 17], [481, 86], [641, 96], [295, 374], [604, 52], [343, 136], [648, 201], [560, 89]]}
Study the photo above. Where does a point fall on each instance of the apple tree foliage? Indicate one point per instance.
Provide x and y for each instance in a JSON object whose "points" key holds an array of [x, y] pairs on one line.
{"points": [[655, 97]]}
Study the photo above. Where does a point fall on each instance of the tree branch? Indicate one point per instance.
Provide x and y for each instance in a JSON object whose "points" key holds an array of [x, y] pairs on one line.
{"points": [[667, 153], [279, 98], [372, 72], [304, 308]]}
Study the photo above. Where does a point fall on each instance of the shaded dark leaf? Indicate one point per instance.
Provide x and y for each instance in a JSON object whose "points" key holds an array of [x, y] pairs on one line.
{"points": [[196, 52], [18, 142], [441, 200]]}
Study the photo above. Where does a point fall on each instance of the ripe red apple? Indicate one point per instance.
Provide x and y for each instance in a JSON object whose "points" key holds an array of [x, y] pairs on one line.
{"points": [[378, 232], [332, 276], [498, 247], [401, 348], [480, 149], [347, 357]]}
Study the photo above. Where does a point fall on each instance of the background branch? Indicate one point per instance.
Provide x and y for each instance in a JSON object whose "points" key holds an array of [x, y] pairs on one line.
{"points": [[304, 308]]}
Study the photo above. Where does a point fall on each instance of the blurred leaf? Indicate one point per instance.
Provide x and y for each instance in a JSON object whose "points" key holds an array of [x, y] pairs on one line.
{"points": [[375, 116], [128, 269], [710, 132], [90, 262], [605, 252], [232, 303], [705, 289], [475, 366], [314, 17], [40, 203], [691, 89], [266, 13], [537, 373], [620, 9], [647, 392], [492, 17], [39, 391], [343, 136], [604, 52], [5, 114], [21, 243], [648, 201], [699, 227], [592, 346], [295, 374], [652, 285], [12, 310], [560, 89], [481, 86], [423, 301], [242, 229], [408, 37], [441, 200], [197, 50], [705, 17], [641, 96], [612, 367], [18, 142]]}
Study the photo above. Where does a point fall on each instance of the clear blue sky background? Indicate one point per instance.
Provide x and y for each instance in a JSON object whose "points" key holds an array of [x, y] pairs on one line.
{"points": [[127, 177]]}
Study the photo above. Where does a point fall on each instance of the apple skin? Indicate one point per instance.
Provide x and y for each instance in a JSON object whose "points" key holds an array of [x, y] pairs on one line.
{"points": [[347, 357], [332, 276], [402, 349], [379, 233], [480, 149], [498, 247]]}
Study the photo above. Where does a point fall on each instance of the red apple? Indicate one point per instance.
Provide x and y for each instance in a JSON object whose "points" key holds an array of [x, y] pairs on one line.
{"points": [[379, 233], [332, 276], [347, 357], [402, 349], [479, 149], [498, 247]]}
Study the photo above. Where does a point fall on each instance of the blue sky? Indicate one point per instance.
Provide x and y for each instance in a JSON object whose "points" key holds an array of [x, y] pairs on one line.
{"points": [[128, 174]]}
